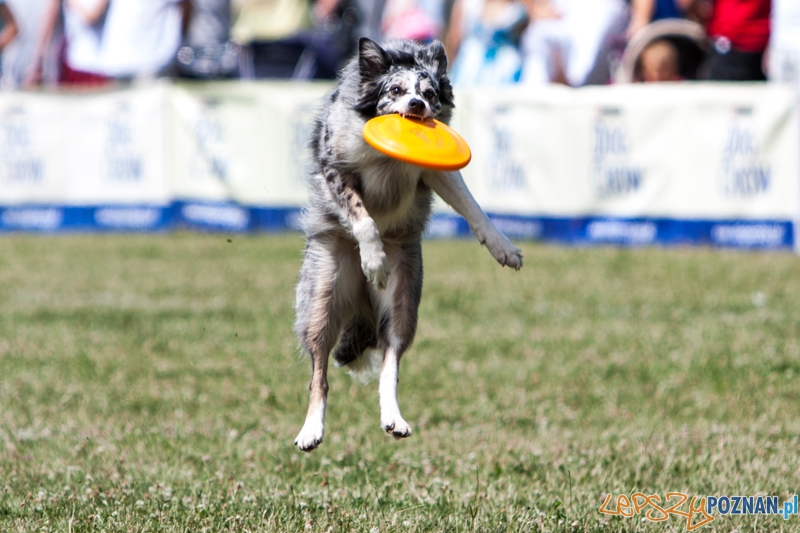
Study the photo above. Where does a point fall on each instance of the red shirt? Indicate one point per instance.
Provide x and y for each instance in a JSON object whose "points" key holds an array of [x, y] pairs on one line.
{"points": [[744, 22]]}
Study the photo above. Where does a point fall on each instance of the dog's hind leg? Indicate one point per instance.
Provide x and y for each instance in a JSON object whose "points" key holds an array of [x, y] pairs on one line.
{"points": [[392, 421], [398, 323], [322, 303]]}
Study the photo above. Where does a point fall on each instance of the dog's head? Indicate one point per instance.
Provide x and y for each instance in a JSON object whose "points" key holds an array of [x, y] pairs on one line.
{"points": [[404, 77]]}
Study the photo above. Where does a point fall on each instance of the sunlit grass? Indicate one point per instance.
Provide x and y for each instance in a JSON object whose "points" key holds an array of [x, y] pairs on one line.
{"points": [[152, 383]]}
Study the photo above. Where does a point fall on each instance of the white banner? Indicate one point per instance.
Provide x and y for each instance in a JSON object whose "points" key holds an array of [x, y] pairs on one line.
{"points": [[664, 150], [244, 142], [630, 164], [75, 150]]}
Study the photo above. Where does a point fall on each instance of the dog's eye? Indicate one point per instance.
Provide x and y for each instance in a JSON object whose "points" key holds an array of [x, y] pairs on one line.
{"points": [[429, 94], [395, 91]]}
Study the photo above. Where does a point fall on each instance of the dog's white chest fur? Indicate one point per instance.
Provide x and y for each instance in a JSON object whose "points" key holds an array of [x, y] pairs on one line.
{"points": [[389, 189]]}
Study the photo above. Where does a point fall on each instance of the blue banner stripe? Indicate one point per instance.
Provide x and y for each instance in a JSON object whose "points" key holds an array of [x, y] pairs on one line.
{"points": [[230, 217], [757, 234]]}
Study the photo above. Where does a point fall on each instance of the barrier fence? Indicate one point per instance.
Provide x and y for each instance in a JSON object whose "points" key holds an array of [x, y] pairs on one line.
{"points": [[629, 164]]}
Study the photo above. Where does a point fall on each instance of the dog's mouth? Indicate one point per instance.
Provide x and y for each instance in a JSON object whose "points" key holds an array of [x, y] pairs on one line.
{"points": [[412, 115]]}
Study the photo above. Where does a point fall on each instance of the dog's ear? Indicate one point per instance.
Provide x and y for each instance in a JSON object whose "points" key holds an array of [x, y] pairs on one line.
{"points": [[437, 57], [373, 61]]}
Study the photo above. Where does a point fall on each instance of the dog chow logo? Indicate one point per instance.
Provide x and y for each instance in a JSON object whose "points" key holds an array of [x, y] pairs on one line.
{"points": [[20, 164], [32, 218], [612, 172], [211, 157], [123, 160], [504, 173], [744, 173], [301, 128]]}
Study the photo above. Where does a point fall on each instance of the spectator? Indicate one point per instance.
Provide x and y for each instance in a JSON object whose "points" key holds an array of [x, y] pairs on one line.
{"points": [[8, 27], [368, 15], [784, 51], [739, 32], [412, 19], [79, 54], [20, 53], [269, 20], [283, 42], [8, 24], [207, 50], [141, 37], [659, 61], [676, 44], [484, 39], [643, 12], [570, 40]]}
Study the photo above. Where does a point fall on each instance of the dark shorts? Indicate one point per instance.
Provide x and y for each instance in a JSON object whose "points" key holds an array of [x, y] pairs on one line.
{"points": [[735, 65]]}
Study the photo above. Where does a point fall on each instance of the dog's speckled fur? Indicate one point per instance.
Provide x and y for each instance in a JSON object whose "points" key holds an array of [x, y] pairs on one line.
{"points": [[361, 280]]}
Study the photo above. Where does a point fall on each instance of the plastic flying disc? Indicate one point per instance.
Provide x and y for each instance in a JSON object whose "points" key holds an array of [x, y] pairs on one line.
{"points": [[427, 143]]}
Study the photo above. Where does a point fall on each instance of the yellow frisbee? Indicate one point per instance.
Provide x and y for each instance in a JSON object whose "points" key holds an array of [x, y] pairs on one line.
{"points": [[427, 143]]}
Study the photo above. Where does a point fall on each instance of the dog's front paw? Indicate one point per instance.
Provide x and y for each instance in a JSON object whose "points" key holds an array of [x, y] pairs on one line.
{"points": [[310, 436], [375, 265], [512, 257], [502, 249], [397, 428]]}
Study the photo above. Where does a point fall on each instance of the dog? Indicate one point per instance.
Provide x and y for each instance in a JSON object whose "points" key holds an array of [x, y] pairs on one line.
{"points": [[361, 279]]}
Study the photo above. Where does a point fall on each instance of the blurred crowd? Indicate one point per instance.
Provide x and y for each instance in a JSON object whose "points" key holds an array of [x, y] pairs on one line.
{"points": [[490, 42]]}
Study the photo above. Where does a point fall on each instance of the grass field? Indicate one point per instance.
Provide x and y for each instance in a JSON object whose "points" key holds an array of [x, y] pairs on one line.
{"points": [[151, 383]]}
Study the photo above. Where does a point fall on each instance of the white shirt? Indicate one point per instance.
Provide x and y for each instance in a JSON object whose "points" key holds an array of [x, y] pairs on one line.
{"points": [[83, 40], [141, 37], [18, 55], [785, 24]]}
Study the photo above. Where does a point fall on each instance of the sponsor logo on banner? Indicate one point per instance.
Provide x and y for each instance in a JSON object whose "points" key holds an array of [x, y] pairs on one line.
{"points": [[294, 220], [32, 218], [20, 163], [221, 216], [744, 173], [504, 174], [301, 127], [621, 231], [128, 217], [211, 160], [613, 173], [749, 235], [518, 228], [442, 226], [123, 162]]}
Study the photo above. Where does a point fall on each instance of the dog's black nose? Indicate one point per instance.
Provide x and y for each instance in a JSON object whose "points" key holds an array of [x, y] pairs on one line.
{"points": [[416, 106]]}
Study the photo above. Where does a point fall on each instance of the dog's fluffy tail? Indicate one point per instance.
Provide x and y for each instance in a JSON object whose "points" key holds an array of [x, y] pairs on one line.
{"points": [[366, 367], [356, 350]]}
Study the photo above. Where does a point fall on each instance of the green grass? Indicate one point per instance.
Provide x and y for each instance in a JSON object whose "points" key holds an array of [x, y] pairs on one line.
{"points": [[152, 383]]}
